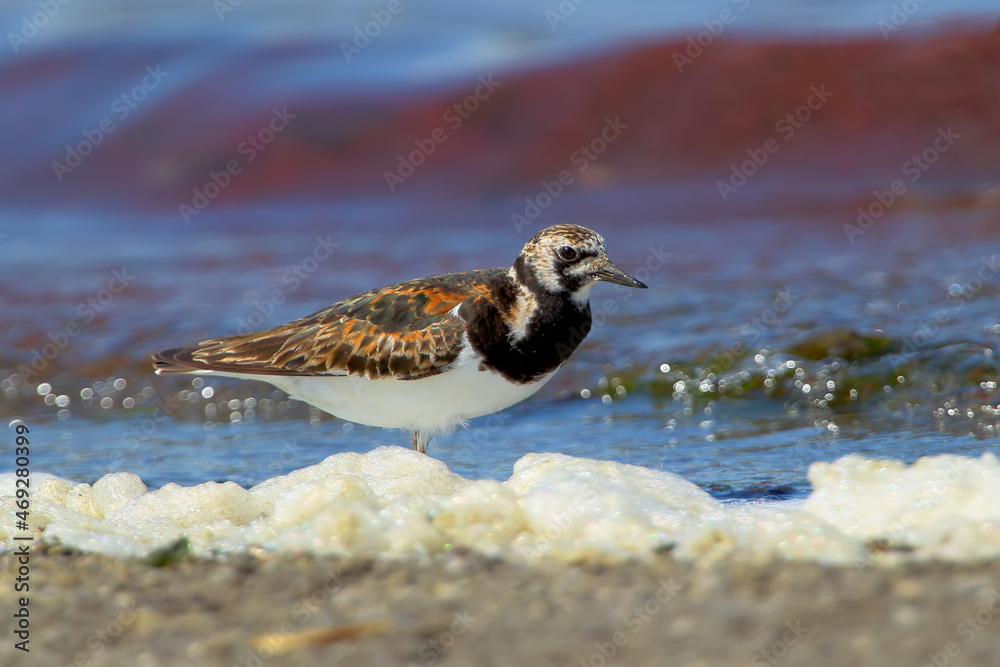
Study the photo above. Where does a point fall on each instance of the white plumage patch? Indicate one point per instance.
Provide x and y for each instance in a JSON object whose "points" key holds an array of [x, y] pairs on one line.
{"points": [[433, 405], [520, 316], [581, 297]]}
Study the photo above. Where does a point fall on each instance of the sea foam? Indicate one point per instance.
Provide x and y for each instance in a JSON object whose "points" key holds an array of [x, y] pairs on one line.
{"points": [[394, 502]]}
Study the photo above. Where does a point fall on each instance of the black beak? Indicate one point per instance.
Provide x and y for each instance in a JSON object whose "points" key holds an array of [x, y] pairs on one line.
{"points": [[609, 273]]}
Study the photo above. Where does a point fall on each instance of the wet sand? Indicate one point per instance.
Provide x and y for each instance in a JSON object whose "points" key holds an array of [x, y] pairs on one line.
{"points": [[467, 610]]}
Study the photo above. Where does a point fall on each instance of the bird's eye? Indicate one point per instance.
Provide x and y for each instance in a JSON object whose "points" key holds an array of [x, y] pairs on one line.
{"points": [[568, 253]]}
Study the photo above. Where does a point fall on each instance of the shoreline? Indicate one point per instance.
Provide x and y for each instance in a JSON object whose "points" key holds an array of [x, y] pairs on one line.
{"points": [[465, 609]]}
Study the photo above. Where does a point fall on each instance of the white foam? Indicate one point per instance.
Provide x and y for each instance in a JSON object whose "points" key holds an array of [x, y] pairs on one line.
{"points": [[395, 502]]}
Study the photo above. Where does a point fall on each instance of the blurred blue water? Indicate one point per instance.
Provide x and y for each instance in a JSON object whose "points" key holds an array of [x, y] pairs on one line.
{"points": [[209, 278], [191, 283], [424, 31]]}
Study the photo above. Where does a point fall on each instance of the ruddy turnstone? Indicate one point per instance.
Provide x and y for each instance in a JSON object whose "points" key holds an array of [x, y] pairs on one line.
{"points": [[430, 353]]}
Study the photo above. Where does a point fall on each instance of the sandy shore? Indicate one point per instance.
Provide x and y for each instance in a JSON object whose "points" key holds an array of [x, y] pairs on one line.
{"points": [[467, 610]]}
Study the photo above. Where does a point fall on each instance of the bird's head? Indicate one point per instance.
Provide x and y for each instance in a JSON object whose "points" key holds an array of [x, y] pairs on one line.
{"points": [[569, 260]]}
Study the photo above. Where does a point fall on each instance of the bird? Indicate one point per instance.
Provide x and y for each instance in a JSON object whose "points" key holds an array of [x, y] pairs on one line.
{"points": [[428, 354]]}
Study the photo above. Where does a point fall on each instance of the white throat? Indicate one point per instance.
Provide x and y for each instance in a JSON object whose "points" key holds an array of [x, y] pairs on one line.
{"points": [[581, 297]]}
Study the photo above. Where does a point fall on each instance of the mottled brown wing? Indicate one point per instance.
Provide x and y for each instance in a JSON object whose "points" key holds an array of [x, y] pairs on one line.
{"points": [[407, 331]]}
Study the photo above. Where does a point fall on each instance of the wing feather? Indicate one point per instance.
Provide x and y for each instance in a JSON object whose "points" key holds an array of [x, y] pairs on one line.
{"points": [[406, 331]]}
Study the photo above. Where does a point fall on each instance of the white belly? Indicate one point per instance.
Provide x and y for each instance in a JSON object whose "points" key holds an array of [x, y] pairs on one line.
{"points": [[435, 404]]}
